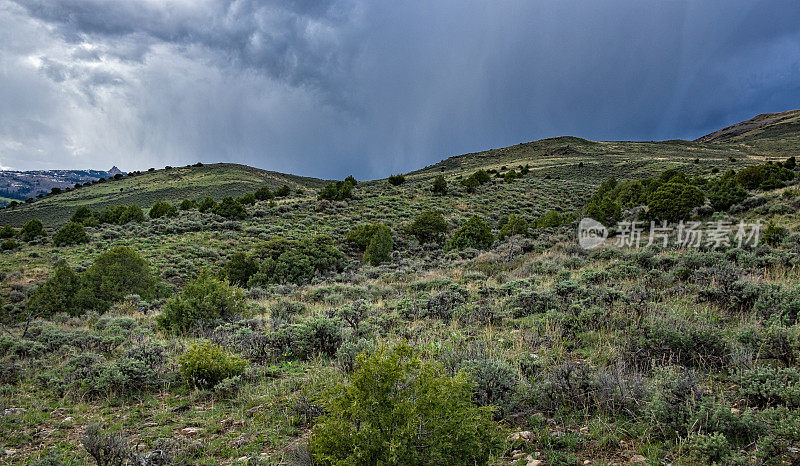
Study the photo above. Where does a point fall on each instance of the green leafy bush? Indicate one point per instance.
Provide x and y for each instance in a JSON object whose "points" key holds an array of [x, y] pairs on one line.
{"points": [[396, 180], [32, 229], [769, 386], [83, 215], [603, 206], [375, 417], [439, 185], [57, 294], [429, 226], [131, 213], [163, 209], [284, 191], [337, 191], [239, 269], [380, 246], [247, 199], [295, 261], [725, 191], [230, 208], [71, 233], [7, 232], [765, 176], [514, 225], [117, 273], [206, 204], [205, 364], [774, 234], [264, 194], [203, 300], [9, 244], [711, 448], [551, 219], [361, 235], [674, 202], [188, 204], [474, 233]]}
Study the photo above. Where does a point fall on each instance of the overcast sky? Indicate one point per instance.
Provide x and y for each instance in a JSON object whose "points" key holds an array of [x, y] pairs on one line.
{"points": [[329, 88]]}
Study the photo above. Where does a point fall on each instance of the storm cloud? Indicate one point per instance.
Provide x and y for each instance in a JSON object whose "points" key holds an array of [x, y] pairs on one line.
{"points": [[329, 88]]}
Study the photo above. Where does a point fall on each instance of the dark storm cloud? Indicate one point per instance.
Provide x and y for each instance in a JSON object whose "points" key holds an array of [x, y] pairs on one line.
{"points": [[326, 88]]}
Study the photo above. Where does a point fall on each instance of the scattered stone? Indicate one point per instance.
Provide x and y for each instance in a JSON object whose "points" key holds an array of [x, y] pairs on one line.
{"points": [[14, 411], [10, 451], [254, 410], [584, 430], [735, 411], [68, 420], [533, 462], [515, 455], [242, 459], [227, 422], [522, 436], [635, 459], [587, 461], [191, 430]]}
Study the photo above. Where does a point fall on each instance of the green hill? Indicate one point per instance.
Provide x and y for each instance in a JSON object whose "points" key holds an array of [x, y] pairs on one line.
{"points": [[174, 184]]}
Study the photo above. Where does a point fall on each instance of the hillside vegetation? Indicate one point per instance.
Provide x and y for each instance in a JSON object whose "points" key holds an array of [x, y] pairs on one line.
{"points": [[447, 315]]}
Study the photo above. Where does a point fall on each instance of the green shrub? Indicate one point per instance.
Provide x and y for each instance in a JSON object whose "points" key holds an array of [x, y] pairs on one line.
{"points": [[71, 233], [790, 163], [57, 294], [188, 204], [429, 226], [710, 448], [247, 199], [774, 234], [163, 209], [206, 204], [117, 273], [396, 180], [513, 225], [264, 194], [769, 386], [83, 215], [7, 232], [239, 269], [725, 191], [32, 229], [316, 336], [361, 235], [603, 206], [206, 364], [673, 202], [284, 191], [766, 176], [230, 208], [551, 219], [294, 261], [131, 213], [380, 246], [337, 191], [9, 244], [439, 185], [203, 300], [375, 417], [474, 233]]}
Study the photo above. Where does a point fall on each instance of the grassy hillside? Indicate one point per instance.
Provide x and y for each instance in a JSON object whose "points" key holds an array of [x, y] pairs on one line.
{"points": [[215, 180], [612, 356]]}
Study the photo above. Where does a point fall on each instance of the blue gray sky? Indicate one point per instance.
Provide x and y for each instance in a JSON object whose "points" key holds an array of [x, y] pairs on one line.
{"points": [[332, 87]]}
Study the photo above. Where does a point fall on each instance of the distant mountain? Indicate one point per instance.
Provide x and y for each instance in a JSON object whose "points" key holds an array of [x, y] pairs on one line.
{"points": [[21, 185]]}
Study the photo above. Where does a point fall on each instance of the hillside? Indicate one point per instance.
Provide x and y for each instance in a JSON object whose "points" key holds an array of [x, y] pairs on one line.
{"points": [[191, 182], [267, 333], [20, 185], [775, 134]]}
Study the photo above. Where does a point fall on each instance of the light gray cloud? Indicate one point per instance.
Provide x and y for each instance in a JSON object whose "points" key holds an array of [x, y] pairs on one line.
{"points": [[326, 88]]}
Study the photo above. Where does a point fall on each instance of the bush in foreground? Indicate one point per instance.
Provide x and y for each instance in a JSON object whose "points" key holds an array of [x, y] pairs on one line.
{"points": [[429, 226], [32, 229], [474, 233], [375, 417], [163, 209]]}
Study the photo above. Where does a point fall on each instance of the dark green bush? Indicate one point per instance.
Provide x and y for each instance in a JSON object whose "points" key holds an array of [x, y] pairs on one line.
{"points": [[439, 185], [71, 233], [495, 382], [294, 261], [239, 269], [396, 180], [83, 215], [206, 364], [316, 336], [57, 294], [7, 232], [337, 191], [361, 235], [765, 176], [769, 386], [284, 191], [131, 213], [514, 225], [551, 219], [774, 234], [117, 273], [474, 233], [674, 202], [380, 246], [230, 208], [9, 244], [429, 226], [163, 209], [203, 300], [264, 194], [32, 229], [410, 393], [206, 204], [247, 199], [188, 204], [725, 191]]}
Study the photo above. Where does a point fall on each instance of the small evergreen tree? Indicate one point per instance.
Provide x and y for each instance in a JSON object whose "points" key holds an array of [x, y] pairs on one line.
{"points": [[163, 209], [397, 180], [474, 233], [239, 269], [32, 229], [515, 225], [8, 232], [428, 226], [230, 208], [206, 204], [204, 299], [439, 185], [71, 233], [264, 194], [380, 246]]}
